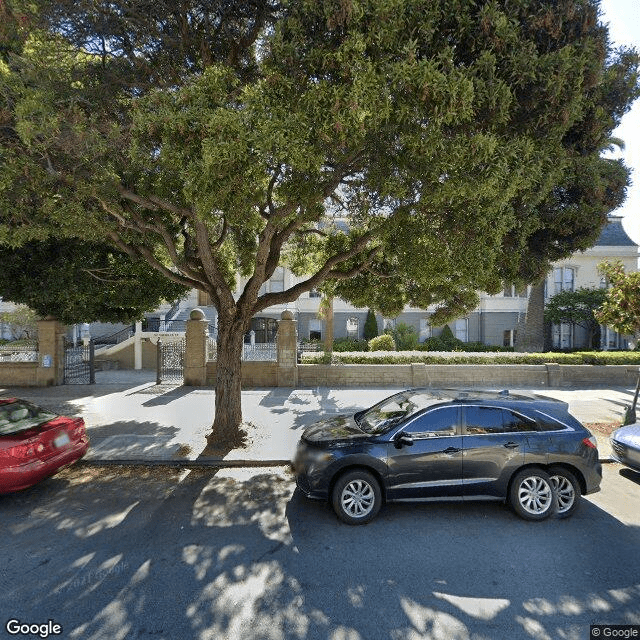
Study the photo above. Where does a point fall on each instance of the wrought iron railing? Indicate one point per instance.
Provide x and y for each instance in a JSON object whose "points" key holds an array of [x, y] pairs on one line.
{"points": [[114, 338], [259, 352], [26, 351]]}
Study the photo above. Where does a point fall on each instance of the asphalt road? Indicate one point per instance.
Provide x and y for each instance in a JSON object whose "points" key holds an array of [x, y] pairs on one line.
{"points": [[139, 553]]}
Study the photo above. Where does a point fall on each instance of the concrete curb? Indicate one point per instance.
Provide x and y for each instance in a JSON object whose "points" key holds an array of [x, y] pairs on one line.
{"points": [[212, 463], [187, 464]]}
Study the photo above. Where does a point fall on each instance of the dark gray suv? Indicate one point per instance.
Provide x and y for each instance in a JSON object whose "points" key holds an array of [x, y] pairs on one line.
{"points": [[428, 444]]}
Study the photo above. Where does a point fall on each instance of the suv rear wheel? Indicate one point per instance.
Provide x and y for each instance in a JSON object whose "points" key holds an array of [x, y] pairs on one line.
{"points": [[532, 494], [567, 489]]}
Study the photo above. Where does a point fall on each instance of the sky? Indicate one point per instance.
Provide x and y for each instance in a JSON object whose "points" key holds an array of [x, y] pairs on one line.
{"points": [[623, 18]]}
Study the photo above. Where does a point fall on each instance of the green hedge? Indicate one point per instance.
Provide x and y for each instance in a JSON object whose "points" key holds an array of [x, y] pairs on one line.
{"points": [[583, 357], [350, 344]]}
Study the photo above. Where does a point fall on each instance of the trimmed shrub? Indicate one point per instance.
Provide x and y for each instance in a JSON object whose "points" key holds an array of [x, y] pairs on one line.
{"points": [[449, 340], [384, 342], [350, 344], [586, 357], [370, 326], [405, 337]]}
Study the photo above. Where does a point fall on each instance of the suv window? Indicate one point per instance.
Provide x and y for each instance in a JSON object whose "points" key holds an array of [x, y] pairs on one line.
{"points": [[483, 420], [436, 422]]}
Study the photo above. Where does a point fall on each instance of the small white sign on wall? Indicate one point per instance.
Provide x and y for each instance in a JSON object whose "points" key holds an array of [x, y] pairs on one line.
{"points": [[46, 361]]}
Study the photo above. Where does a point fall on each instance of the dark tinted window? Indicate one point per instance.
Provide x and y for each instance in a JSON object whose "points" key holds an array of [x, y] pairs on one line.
{"points": [[495, 420], [547, 423], [515, 422], [484, 420], [437, 422]]}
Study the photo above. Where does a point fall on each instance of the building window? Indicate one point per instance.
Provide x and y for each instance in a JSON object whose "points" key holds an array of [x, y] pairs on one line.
{"points": [[462, 329], [425, 329], [315, 329], [276, 282], [353, 328], [562, 335], [563, 279], [388, 323], [511, 291], [314, 294], [509, 338]]}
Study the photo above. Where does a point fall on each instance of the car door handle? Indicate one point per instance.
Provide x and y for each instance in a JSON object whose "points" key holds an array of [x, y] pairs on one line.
{"points": [[451, 450], [511, 445]]}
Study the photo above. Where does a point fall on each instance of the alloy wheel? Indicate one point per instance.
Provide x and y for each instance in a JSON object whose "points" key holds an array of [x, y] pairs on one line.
{"points": [[535, 495], [565, 492], [357, 498]]}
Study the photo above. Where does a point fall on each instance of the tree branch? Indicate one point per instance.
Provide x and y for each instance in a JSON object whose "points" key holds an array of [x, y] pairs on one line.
{"points": [[326, 271]]}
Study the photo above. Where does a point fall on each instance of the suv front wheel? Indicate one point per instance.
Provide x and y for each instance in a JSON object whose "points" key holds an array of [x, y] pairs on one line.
{"points": [[356, 497], [532, 494]]}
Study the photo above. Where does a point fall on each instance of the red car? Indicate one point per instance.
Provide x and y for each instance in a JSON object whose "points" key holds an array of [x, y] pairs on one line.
{"points": [[35, 443]]}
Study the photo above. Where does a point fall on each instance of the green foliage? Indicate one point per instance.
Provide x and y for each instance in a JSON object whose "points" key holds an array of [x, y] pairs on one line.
{"points": [[448, 339], [459, 140], [589, 358], [404, 336], [576, 307], [385, 342], [82, 281], [350, 344], [435, 344], [370, 326], [21, 322], [621, 307]]}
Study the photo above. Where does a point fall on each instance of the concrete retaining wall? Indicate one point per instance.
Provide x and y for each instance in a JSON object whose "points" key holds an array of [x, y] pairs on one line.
{"points": [[266, 374], [20, 374], [456, 375]]}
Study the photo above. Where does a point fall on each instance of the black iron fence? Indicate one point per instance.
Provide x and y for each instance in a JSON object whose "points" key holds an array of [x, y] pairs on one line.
{"points": [[258, 352], [170, 361], [79, 367]]}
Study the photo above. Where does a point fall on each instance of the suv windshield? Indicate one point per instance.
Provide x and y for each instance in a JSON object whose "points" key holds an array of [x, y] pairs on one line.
{"points": [[393, 410], [20, 415]]}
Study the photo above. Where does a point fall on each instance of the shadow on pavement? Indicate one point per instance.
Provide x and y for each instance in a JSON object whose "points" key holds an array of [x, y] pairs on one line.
{"points": [[205, 556]]}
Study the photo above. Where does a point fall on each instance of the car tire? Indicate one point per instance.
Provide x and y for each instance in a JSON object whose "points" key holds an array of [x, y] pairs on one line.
{"points": [[356, 497], [532, 495], [567, 490]]}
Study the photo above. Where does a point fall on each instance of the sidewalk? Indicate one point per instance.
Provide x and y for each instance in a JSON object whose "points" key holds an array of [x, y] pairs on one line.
{"points": [[130, 418]]}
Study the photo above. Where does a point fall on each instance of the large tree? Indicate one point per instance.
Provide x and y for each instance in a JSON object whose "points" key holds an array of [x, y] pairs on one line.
{"points": [[217, 140], [80, 281]]}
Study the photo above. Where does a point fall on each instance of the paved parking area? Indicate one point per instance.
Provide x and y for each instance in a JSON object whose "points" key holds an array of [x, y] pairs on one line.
{"points": [[113, 554]]}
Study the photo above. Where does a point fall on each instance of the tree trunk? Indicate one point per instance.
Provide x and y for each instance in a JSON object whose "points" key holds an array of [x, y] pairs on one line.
{"points": [[226, 430], [328, 338], [531, 338]]}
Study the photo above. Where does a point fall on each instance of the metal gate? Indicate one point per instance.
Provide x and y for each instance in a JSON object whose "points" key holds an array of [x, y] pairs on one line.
{"points": [[170, 361], [79, 363]]}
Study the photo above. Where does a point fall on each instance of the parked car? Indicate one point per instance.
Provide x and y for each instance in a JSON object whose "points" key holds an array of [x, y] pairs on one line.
{"points": [[36, 443], [625, 445], [425, 444]]}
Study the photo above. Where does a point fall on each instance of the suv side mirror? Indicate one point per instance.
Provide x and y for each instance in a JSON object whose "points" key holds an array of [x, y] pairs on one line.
{"points": [[403, 440]]}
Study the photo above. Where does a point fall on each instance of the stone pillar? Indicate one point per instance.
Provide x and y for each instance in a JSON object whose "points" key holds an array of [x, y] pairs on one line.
{"points": [[287, 351], [50, 353], [137, 346], [195, 355]]}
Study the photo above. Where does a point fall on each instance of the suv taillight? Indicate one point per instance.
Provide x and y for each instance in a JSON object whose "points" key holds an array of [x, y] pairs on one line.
{"points": [[590, 442]]}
